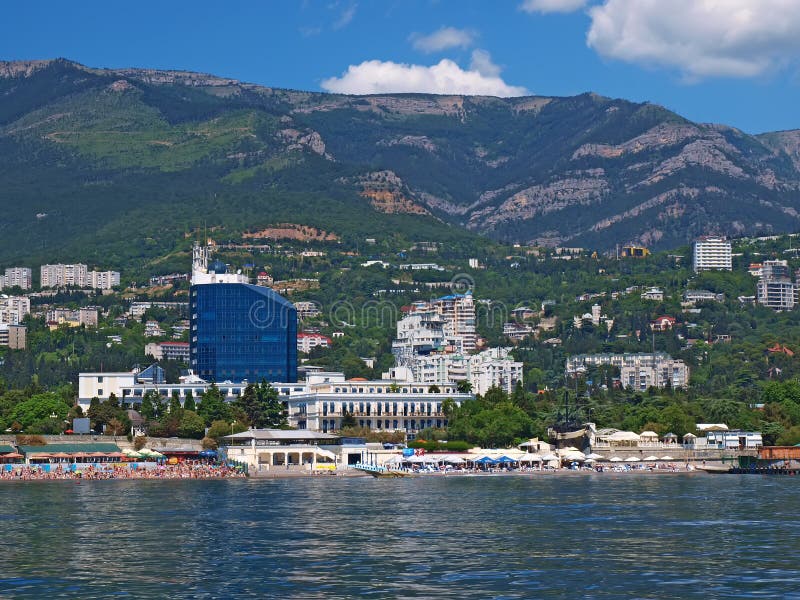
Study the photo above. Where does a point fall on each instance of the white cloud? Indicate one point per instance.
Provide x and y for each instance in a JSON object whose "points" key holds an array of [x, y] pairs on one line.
{"points": [[346, 16], [443, 39], [699, 38], [482, 63], [552, 6], [445, 77]]}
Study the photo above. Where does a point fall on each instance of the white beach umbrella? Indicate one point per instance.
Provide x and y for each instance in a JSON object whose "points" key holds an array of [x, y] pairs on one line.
{"points": [[632, 459], [667, 457], [650, 458]]}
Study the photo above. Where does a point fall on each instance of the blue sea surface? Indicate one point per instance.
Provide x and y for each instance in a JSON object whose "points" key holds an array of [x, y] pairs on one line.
{"points": [[539, 536]]}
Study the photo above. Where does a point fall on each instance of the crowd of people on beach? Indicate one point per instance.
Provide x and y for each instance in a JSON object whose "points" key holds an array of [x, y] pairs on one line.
{"points": [[183, 470]]}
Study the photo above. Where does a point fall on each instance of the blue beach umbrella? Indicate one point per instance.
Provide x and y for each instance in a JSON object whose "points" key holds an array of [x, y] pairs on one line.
{"points": [[486, 460]]}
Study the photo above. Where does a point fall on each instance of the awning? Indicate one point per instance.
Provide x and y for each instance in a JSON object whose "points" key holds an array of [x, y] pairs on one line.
{"points": [[324, 453]]}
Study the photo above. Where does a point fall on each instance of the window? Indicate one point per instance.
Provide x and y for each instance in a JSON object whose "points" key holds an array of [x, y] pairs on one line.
{"points": [[99, 393]]}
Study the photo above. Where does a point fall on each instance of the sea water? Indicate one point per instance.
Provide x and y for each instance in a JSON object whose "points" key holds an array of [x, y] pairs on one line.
{"points": [[535, 536]]}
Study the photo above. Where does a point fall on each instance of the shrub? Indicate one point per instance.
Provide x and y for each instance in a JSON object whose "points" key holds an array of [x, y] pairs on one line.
{"points": [[31, 440]]}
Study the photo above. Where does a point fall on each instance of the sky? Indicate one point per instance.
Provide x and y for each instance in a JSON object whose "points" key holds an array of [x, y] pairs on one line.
{"points": [[735, 62]]}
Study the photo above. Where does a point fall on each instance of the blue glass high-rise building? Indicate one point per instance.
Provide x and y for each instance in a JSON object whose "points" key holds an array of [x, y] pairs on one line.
{"points": [[240, 331]]}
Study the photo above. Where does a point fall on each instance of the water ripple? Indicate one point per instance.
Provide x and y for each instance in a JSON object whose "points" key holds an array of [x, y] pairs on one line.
{"points": [[505, 537]]}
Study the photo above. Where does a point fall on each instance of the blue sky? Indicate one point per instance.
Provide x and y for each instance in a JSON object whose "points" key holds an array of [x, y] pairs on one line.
{"points": [[724, 61]]}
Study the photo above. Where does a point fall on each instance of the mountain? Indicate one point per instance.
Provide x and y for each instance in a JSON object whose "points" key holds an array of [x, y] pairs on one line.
{"points": [[121, 163]]}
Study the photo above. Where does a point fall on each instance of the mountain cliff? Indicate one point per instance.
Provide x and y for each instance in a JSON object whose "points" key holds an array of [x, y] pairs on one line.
{"points": [[127, 157]]}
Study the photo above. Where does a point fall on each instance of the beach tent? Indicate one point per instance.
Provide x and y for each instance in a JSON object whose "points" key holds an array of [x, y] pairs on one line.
{"points": [[574, 455], [530, 458], [453, 460]]}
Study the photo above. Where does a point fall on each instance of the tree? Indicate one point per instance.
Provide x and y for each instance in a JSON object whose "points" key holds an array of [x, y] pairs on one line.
{"points": [[213, 407], [188, 401], [222, 428], [151, 403], [348, 420], [175, 403], [191, 425], [464, 387], [40, 408]]}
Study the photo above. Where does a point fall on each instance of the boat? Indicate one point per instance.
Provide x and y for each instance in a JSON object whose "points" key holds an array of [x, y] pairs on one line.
{"points": [[380, 470], [713, 469]]}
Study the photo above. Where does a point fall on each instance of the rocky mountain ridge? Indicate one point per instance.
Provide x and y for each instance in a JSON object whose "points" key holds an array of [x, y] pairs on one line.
{"points": [[583, 170]]}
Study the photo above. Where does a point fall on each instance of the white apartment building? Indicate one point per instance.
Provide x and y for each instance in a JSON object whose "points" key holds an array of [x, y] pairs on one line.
{"points": [[418, 333], [638, 371], [17, 277], [306, 342], [13, 309], [102, 280], [485, 370], [712, 253], [64, 275]]}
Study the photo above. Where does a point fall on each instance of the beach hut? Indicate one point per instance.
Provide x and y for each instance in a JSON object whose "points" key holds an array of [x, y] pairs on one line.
{"points": [[625, 439], [647, 438]]}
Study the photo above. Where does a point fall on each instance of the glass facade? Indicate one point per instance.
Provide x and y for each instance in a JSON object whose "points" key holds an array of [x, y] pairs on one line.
{"points": [[241, 331]]}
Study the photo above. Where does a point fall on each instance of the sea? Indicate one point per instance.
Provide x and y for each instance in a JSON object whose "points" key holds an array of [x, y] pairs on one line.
{"points": [[584, 535]]}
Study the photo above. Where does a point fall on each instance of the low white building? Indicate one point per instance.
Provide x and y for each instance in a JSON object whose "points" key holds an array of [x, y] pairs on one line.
{"points": [[291, 450], [380, 405]]}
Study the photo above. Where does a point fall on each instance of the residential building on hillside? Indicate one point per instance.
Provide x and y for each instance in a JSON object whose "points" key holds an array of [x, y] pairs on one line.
{"points": [[13, 309], [653, 293], [484, 370], [695, 296], [638, 371], [306, 342], [239, 331], [21, 277], [177, 351], [307, 309], [775, 289], [102, 280], [712, 253], [59, 275], [632, 251], [13, 336], [87, 316]]}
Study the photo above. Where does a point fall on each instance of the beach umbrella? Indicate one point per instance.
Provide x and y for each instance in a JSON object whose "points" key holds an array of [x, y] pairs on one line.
{"points": [[549, 457], [667, 457], [632, 459], [486, 460], [594, 456], [616, 459], [650, 458], [506, 459]]}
